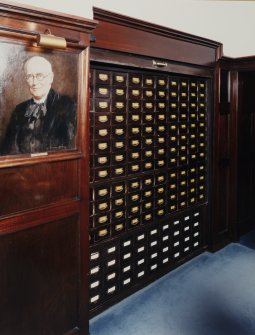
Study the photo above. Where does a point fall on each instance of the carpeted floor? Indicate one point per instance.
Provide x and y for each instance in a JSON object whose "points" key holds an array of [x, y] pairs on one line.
{"points": [[213, 294]]}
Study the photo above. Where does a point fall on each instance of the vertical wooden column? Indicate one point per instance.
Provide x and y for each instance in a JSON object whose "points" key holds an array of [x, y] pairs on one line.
{"points": [[224, 155]]}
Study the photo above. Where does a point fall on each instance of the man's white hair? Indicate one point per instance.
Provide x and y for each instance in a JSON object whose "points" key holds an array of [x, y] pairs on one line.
{"points": [[43, 62]]}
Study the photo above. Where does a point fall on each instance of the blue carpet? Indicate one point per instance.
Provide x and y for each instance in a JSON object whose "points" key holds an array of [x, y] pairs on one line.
{"points": [[248, 239], [213, 294]]}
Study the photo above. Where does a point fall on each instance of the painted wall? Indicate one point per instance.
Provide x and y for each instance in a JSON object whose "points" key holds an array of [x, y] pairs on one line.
{"points": [[229, 22]]}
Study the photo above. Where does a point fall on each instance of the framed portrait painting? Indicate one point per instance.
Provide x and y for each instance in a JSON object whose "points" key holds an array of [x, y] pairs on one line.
{"points": [[38, 100]]}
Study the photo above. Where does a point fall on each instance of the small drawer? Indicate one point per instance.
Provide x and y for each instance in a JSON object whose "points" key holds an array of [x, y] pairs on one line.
{"points": [[161, 94], [101, 219], [173, 84], [119, 92], [134, 167], [134, 106], [148, 130], [134, 221], [148, 216], [160, 190], [135, 79], [184, 96], [118, 214], [102, 77], [118, 145], [161, 106], [148, 193], [102, 160], [173, 107], [102, 146], [184, 85], [147, 205], [134, 198], [172, 207], [160, 201], [134, 155], [101, 192], [118, 202], [118, 188], [148, 118], [102, 91], [183, 128], [135, 93], [147, 181], [134, 118], [148, 93], [102, 206], [102, 105], [148, 81], [173, 176], [160, 152], [160, 117], [134, 142], [119, 171], [118, 132], [102, 119], [160, 212], [148, 154], [133, 210], [160, 163], [119, 106], [162, 82], [119, 79], [118, 158], [173, 95], [134, 184], [102, 133], [148, 106], [134, 130], [119, 119], [148, 142], [118, 227], [102, 233], [102, 173], [160, 140], [161, 129], [148, 165]]}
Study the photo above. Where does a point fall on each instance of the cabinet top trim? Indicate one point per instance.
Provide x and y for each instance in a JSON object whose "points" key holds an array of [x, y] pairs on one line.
{"points": [[112, 17], [30, 13]]}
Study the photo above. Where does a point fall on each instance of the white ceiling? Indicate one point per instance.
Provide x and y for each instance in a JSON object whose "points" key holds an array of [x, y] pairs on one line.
{"points": [[230, 22]]}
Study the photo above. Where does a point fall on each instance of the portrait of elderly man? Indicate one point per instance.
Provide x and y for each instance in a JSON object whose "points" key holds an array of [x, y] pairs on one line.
{"points": [[45, 122]]}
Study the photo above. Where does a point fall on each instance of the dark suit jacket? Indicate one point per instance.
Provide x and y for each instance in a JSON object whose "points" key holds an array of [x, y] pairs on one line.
{"points": [[56, 131]]}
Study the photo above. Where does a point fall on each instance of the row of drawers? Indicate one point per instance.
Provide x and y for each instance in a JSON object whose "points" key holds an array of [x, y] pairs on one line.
{"points": [[120, 264], [126, 78], [136, 131], [129, 170], [120, 221], [153, 153], [146, 119], [183, 176], [149, 198], [131, 94], [117, 105]]}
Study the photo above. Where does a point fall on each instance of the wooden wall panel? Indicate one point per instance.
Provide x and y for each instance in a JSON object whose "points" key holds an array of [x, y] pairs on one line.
{"points": [[24, 188], [39, 271]]}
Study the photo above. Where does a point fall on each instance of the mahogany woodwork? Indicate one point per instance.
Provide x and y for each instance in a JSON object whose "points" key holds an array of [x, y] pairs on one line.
{"points": [[44, 211], [224, 156], [122, 33]]}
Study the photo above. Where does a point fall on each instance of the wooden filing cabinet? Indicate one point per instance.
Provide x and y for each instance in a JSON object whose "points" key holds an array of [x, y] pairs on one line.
{"points": [[151, 129]]}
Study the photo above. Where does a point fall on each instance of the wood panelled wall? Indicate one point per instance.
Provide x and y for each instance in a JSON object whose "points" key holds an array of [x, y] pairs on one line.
{"points": [[43, 196]]}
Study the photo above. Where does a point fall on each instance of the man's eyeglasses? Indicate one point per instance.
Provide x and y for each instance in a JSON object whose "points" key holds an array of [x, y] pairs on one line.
{"points": [[37, 76]]}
